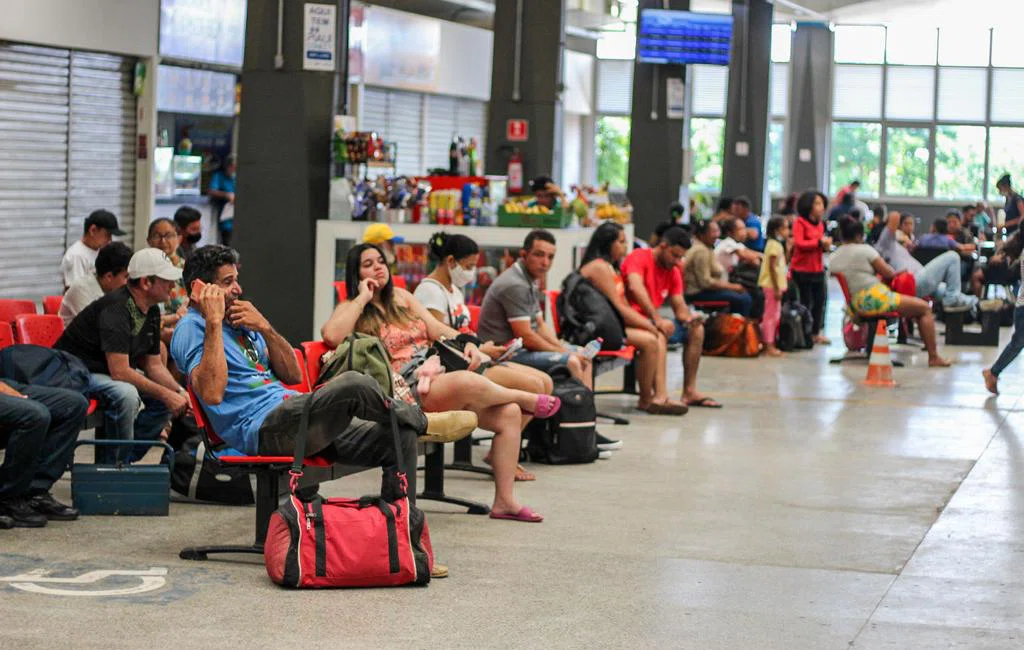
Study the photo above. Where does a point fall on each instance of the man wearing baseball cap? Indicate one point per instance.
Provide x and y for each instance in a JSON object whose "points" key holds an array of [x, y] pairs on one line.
{"points": [[79, 260], [382, 235], [118, 338]]}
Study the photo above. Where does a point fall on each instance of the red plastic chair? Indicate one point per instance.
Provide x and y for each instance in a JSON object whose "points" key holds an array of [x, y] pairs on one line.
{"points": [[51, 304], [6, 335], [399, 281], [38, 329], [303, 386], [11, 308], [314, 350], [339, 291], [268, 470], [474, 316], [871, 322]]}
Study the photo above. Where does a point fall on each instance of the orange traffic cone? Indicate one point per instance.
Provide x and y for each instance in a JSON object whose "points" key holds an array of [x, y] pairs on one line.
{"points": [[880, 363]]}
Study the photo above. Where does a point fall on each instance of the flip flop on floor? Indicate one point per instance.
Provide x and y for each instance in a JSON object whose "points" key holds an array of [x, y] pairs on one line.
{"points": [[547, 405], [666, 409], [524, 514], [705, 403]]}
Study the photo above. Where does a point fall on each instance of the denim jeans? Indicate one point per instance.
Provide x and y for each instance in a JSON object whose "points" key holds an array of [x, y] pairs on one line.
{"points": [[739, 303], [39, 435], [940, 278], [122, 419], [1015, 345]]}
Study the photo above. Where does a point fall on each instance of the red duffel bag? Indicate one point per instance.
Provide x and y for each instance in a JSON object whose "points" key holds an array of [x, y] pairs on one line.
{"points": [[370, 542]]}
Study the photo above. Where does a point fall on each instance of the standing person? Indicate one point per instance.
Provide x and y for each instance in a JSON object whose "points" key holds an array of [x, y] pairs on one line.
{"points": [[755, 237], [38, 429], [111, 274], [222, 190], [79, 260], [808, 265], [723, 211], [607, 248], [862, 265], [705, 277], [189, 223], [1013, 348], [1014, 206], [847, 189], [773, 281]]}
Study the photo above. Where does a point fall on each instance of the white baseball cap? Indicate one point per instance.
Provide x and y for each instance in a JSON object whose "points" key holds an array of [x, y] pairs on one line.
{"points": [[152, 261]]}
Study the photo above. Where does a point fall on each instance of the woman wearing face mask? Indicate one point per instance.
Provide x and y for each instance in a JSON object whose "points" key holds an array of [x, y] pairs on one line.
{"points": [[441, 293]]}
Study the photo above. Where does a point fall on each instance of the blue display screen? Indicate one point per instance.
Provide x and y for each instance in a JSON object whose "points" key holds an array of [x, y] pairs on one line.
{"points": [[682, 37]]}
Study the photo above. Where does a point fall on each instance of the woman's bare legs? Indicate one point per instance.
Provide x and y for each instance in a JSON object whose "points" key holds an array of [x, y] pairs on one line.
{"points": [[520, 377], [646, 364], [504, 422], [467, 391], [920, 311]]}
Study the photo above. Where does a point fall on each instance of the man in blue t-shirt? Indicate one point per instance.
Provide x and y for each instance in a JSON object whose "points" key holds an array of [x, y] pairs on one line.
{"points": [[236, 362], [755, 233]]}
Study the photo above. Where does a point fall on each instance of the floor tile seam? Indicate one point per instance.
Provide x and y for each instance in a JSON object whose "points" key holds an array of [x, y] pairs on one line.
{"points": [[762, 397], [900, 571]]}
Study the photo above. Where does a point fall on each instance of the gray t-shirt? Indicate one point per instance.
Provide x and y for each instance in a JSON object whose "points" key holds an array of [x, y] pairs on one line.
{"points": [[898, 257], [854, 262], [512, 297]]}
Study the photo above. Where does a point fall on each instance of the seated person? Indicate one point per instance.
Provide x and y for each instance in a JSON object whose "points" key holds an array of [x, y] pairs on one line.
{"points": [[862, 265], [939, 238], [405, 327], [652, 277], [607, 248], [960, 231], [38, 427], [705, 277], [79, 260], [512, 309], [189, 224], [118, 338], [905, 231], [164, 236], [547, 194], [755, 235], [940, 278], [723, 211], [1002, 268], [731, 250], [111, 273]]}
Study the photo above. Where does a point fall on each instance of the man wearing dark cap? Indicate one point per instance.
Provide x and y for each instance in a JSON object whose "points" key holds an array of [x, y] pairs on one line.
{"points": [[79, 260], [546, 193]]}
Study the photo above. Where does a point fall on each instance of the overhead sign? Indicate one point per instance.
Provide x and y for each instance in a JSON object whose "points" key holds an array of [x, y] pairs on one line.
{"points": [[517, 130], [319, 35]]}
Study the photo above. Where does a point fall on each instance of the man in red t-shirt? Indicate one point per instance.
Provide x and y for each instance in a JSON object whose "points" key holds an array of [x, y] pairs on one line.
{"points": [[653, 276]]}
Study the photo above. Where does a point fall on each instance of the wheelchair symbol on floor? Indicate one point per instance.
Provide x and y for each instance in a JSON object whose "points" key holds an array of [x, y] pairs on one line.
{"points": [[38, 581]]}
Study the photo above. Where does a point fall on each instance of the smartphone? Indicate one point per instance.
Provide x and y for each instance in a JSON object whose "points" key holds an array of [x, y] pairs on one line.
{"points": [[513, 346]]}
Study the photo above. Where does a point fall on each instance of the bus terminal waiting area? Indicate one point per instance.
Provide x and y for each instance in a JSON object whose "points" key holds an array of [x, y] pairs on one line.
{"points": [[812, 512]]}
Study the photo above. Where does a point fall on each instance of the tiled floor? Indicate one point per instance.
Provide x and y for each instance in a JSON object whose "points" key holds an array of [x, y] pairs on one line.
{"points": [[810, 513]]}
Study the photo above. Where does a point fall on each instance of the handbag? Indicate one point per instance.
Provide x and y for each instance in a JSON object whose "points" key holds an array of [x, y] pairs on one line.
{"points": [[732, 335], [369, 542]]}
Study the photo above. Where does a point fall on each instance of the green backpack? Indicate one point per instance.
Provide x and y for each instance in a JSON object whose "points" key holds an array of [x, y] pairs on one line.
{"points": [[362, 353]]}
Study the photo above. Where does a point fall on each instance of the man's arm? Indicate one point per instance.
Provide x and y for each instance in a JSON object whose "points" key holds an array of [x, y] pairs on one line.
{"points": [[548, 333], [121, 370], [532, 340], [209, 379], [637, 289], [680, 308], [282, 355]]}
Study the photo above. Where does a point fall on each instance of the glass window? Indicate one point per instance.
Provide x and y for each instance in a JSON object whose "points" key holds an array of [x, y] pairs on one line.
{"points": [[773, 173], [707, 140], [911, 45], [910, 93], [710, 88], [780, 89], [1007, 95], [614, 87], [963, 93], [618, 45], [906, 156], [859, 44], [857, 91], [1006, 156], [959, 161], [856, 155], [782, 43], [612, 148], [1006, 49], [964, 46]]}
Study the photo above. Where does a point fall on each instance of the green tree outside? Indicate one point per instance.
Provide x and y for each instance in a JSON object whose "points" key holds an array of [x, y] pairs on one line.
{"points": [[907, 157], [856, 155], [613, 151]]}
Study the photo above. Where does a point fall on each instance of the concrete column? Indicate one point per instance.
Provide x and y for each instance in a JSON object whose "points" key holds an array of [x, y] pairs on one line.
{"points": [[746, 121], [283, 167], [810, 107], [655, 142], [526, 84]]}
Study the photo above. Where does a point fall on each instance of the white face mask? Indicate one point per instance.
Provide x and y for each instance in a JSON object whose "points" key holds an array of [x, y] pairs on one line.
{"points": [[461, 276]]}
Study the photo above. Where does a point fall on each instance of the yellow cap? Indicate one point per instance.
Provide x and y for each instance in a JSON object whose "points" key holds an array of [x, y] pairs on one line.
{"points": [[379, 233]]}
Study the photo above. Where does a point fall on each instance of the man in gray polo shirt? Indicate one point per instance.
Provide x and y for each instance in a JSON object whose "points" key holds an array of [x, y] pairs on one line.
{"points": [[511, 309], [940, 278]]}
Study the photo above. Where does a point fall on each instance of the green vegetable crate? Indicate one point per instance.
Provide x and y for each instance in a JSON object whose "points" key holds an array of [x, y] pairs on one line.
{"points": [[556, 219]]}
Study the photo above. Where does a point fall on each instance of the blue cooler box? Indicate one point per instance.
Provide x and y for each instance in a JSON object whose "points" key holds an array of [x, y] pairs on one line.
{"points": [[124, 488]]}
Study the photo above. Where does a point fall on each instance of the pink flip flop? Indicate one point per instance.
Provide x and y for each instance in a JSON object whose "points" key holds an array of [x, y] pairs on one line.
{"points": [[524, 514], [547, 405]]}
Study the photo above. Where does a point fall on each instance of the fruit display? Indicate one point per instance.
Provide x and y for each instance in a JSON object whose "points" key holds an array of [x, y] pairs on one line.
{"points": [[616, 213], [522, 207]]}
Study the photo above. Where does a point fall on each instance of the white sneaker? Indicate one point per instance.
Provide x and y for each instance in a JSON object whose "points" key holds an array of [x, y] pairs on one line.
{"points": [[604, 455]]}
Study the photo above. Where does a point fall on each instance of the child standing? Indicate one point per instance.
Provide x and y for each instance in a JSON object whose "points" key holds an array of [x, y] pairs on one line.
{"points": [[772, 281]]}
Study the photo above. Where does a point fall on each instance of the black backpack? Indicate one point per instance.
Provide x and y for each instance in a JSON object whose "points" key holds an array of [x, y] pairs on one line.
{"points": [[570, 435], [196, 478], [585, 314], [40, 366], [796, 331]]}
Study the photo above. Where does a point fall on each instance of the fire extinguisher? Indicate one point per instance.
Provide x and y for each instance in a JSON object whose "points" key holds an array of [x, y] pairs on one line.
{"points": [[515, 173]]}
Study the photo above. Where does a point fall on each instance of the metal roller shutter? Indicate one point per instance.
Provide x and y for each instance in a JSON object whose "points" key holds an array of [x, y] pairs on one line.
{"points": [[101, 160], [472, 121], [405, 122], [441, 126], [375, 111], [33, 175]]}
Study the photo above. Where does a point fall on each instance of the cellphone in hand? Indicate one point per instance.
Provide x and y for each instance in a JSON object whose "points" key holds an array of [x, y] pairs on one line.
{"points": [[513, 346]]}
